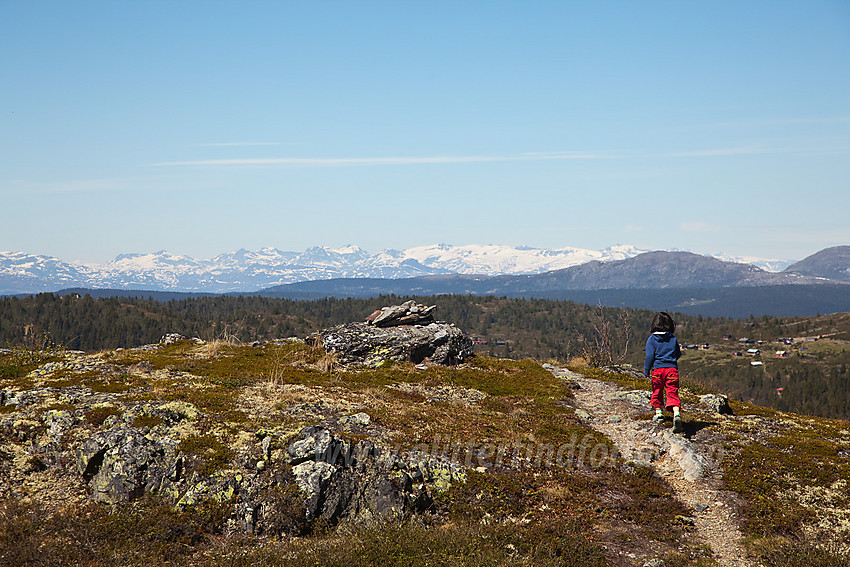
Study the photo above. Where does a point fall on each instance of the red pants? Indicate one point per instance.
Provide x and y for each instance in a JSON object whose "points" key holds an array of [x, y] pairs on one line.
{"points": [[665, 378]]}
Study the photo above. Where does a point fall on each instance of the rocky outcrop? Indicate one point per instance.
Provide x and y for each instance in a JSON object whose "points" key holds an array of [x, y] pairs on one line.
{"points": [[405, 333], [718, 403], [123, 463], [408, 313], [73, 439], [625, 369], [337, 480], [362, 482], [362, 343]]}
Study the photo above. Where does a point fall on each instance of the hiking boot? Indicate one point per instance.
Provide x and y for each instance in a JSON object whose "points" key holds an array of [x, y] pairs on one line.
{"points": [[677, 424], [658, 418]]}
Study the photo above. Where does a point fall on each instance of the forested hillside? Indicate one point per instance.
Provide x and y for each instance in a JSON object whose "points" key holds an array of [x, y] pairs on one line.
{"points": [[813, 376], [791, 364]]}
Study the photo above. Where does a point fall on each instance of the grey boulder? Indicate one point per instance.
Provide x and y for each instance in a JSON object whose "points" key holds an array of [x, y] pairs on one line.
{"points": [[122, 464], [362, 482], [361, 343], [718, 403]]}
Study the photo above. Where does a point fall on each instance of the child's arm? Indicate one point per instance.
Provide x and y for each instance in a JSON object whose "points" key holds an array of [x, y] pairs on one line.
{"points": [[650, 358]]}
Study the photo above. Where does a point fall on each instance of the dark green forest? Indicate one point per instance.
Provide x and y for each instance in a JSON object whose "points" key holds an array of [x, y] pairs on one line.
{"points": [[814, 379]]}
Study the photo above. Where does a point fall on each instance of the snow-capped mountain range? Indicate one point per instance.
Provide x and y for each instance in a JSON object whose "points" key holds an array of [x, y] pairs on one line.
{"points": [[246, 270]]}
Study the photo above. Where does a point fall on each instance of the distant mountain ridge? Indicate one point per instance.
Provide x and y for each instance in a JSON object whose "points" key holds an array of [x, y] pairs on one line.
{"points": [[661, 281], [246, 270], [650, 270], [659, 270], [467, 269], [830, 263]]}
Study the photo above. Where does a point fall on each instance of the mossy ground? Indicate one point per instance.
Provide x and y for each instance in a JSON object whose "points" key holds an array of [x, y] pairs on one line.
{"points": [[523, 513], [792, 473]]}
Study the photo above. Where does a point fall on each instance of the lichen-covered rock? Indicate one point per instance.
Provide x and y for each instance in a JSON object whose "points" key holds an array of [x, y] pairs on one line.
{"points": [[718, 403], [312, 478], [363, 482], [621, 369], [171, 338], [314, 443], [408, 313], [122, 464], [361, 343], [221, 486], [691, 463], [637, 397], [368, 489], [358, 420], [175, 411], [59, 423]]}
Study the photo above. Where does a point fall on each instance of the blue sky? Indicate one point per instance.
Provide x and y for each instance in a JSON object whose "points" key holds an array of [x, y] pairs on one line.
{"points": [[204, 127]]}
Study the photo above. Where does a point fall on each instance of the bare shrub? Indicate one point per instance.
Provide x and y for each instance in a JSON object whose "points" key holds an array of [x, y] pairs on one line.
{"points": [[609, 344]]}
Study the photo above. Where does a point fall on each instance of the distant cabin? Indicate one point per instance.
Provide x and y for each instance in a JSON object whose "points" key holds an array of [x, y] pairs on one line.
{"points": [[782, 354], [753, 352]]}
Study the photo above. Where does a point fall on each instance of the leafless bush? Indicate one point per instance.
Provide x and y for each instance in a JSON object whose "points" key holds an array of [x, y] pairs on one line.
{"points": [[609, 344]]}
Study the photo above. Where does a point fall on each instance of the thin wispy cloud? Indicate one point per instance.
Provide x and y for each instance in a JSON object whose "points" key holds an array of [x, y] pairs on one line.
{"points": [[240, 144], [530, 156], [739, 151], [567, 155], [372, 161]]}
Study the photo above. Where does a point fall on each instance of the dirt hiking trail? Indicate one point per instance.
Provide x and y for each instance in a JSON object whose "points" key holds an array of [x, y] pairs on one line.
{"points": [[688, 461]]}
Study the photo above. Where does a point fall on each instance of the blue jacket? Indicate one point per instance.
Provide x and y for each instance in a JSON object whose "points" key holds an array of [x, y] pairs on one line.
{"points": [[662, 351]]}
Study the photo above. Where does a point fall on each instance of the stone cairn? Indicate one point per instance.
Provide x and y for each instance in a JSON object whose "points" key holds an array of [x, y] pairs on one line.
{"points": [[408, 313], [405, 332]]}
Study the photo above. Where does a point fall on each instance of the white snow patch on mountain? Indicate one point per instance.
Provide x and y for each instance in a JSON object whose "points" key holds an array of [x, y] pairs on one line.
{"points": [[496, 260], [769, 264], [246, 270]]}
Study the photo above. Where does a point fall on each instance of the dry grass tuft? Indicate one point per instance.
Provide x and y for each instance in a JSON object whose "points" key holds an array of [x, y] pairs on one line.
{"points": [[328, 362], [214, 348], [278, 371]]}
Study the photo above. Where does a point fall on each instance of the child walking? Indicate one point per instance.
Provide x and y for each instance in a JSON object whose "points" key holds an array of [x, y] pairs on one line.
{"points": [[662, 367]]}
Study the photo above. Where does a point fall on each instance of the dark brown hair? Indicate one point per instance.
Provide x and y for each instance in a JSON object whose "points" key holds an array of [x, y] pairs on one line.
{"points": [[662, 322]]}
